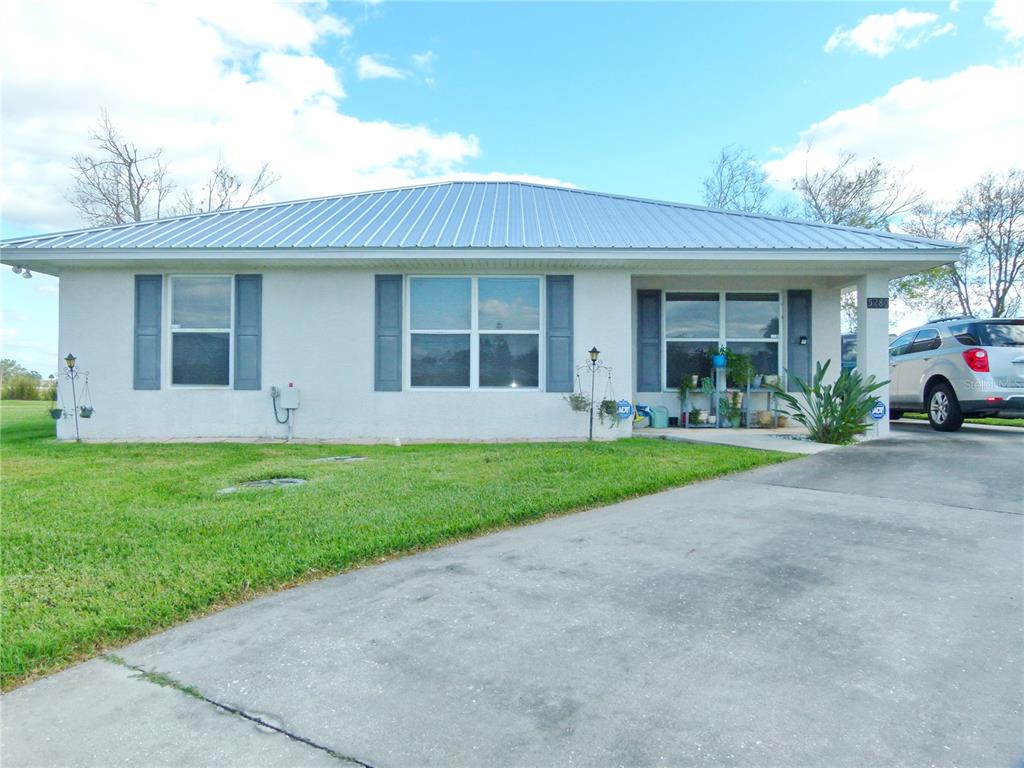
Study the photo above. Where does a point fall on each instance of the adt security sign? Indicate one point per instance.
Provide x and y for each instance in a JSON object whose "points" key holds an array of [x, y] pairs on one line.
{"points": [[625, 409], [878, 411]]}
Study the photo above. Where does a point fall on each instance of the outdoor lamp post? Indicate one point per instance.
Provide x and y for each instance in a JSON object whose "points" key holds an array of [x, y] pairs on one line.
{"points": [[72, 374], [594, 354]]}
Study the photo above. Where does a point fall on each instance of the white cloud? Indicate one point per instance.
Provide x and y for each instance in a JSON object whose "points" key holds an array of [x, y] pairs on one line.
{"points": [[372, 67], [954, 6], [1007, 15], [946, 132], [881, 33], [198, 79], [424, 60]]}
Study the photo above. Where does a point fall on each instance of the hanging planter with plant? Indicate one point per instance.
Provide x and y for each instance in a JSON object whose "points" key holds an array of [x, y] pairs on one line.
{"points": [[608, 409], [578, 402], [85, 411], [56, 413]]}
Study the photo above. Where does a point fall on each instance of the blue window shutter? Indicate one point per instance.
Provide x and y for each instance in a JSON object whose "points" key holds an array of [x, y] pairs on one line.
{"points": [[248, 330], [798, 324], [148, 317], [559, 333], [648, 341], [387, 348]]}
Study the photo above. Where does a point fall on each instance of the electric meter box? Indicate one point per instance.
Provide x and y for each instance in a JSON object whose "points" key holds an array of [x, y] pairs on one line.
{"points": [[289, 398]]}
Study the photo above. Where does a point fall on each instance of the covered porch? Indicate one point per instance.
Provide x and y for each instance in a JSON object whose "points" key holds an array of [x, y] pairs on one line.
{"points": [[774, 326]]}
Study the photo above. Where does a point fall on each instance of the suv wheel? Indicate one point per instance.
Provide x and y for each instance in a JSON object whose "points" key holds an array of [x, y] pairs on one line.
{"points": [[944, 409]]}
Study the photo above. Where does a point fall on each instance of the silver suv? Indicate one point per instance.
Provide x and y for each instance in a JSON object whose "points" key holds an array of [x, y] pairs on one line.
{"points": [[957, 367]]}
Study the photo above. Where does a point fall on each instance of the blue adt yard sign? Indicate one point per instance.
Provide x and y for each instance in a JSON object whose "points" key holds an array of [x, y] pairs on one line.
{"points": [[625, 410], [878, 411]]}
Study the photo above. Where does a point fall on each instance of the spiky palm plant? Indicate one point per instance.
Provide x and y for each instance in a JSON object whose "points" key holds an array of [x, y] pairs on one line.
{"points": [[832, 413]]}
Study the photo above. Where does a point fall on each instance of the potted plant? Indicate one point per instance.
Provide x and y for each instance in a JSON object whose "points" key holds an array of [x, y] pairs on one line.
{"points": [[696, 416], [740, 369], [763, 418], [608, 409], [758, 380], [732, 411], [578, 402], [56, 412], [85, 411], [694, 381]]}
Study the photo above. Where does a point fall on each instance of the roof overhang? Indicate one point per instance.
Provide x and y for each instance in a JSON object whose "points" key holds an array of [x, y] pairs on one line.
{"points": [[838, 261]]}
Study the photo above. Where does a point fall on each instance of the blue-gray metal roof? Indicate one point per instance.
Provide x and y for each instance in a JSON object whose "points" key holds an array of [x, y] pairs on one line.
{"points": [[474, 214]]}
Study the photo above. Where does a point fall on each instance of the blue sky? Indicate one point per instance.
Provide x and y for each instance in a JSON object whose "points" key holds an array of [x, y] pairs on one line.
{"points": [[628, 98]]}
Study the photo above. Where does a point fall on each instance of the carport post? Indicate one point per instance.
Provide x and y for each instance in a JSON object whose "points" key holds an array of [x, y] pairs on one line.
{"points": [[873, 337]]}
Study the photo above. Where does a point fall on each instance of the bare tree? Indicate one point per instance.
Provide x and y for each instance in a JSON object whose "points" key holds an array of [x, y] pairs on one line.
{"points": [[943, 290], [736, 182], [989, 220], [121, 183], [852, 194], [225, 189], [991, 213]]}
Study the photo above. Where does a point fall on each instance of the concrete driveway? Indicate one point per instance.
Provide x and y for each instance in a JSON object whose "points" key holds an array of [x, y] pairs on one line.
{"points": [[859, 607]]}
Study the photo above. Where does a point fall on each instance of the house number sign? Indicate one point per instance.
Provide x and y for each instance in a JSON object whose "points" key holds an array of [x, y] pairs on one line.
{"points": [[877, 303]]}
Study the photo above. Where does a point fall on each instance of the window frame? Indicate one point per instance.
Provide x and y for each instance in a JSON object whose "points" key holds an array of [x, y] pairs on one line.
{"points": [[171, 330], [474, 331], [721, 341]]}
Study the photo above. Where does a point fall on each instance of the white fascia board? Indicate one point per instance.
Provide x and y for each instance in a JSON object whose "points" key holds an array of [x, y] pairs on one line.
{"points": [[900, 260]]}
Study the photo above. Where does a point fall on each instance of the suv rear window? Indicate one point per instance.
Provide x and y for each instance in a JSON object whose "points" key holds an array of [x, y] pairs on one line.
{"points": [[1008, 333]]}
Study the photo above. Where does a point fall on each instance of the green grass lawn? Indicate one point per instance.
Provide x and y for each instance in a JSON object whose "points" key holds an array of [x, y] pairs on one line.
{"points": [[995, 422], [107, 543]]}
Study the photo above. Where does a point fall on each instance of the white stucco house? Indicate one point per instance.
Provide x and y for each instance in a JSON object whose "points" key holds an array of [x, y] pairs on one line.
{"points": [[450, 311]]}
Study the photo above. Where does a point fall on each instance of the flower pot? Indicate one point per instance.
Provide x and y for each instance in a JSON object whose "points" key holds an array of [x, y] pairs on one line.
{"points": [[758, 381], [763, 419], [694, 381], [56, 412], [85, 411], [718, 361], [734, 421], [783, 420]]}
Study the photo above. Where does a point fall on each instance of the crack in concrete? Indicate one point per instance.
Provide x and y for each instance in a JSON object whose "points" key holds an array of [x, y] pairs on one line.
{"points": [[164, 680]]}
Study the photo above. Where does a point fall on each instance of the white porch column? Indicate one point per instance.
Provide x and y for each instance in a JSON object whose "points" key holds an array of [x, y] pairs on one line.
{"points": [[873, 337]]}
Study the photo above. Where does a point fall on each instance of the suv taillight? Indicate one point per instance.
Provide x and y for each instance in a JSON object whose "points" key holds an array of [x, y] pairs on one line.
{"points": [[976, 359]]}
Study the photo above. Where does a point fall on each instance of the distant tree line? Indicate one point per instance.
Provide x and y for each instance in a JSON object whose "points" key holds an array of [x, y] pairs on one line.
{"points": [[987, 218], [19, 383]]}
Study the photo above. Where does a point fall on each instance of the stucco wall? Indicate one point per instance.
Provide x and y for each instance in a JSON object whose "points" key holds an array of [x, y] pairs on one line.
{"points": [[318, 333]]}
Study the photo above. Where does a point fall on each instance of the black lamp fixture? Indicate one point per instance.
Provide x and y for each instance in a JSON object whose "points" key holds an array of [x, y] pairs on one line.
{"points": [[594, 352], [70, 360]]}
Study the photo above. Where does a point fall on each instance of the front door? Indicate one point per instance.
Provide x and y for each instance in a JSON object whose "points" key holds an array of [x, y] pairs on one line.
{"points": [[897, 351], [913, 363]]}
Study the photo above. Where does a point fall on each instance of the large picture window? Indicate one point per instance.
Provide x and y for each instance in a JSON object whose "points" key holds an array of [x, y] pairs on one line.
{"points": [[692, 326], [752, 328], [474, 332], [696, 322], [201, 322]]}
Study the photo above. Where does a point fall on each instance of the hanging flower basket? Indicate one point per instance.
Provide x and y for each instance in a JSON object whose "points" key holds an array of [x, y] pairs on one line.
{"points": [[608, 409], [56, 412], [85, 411], [578, 402]]}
